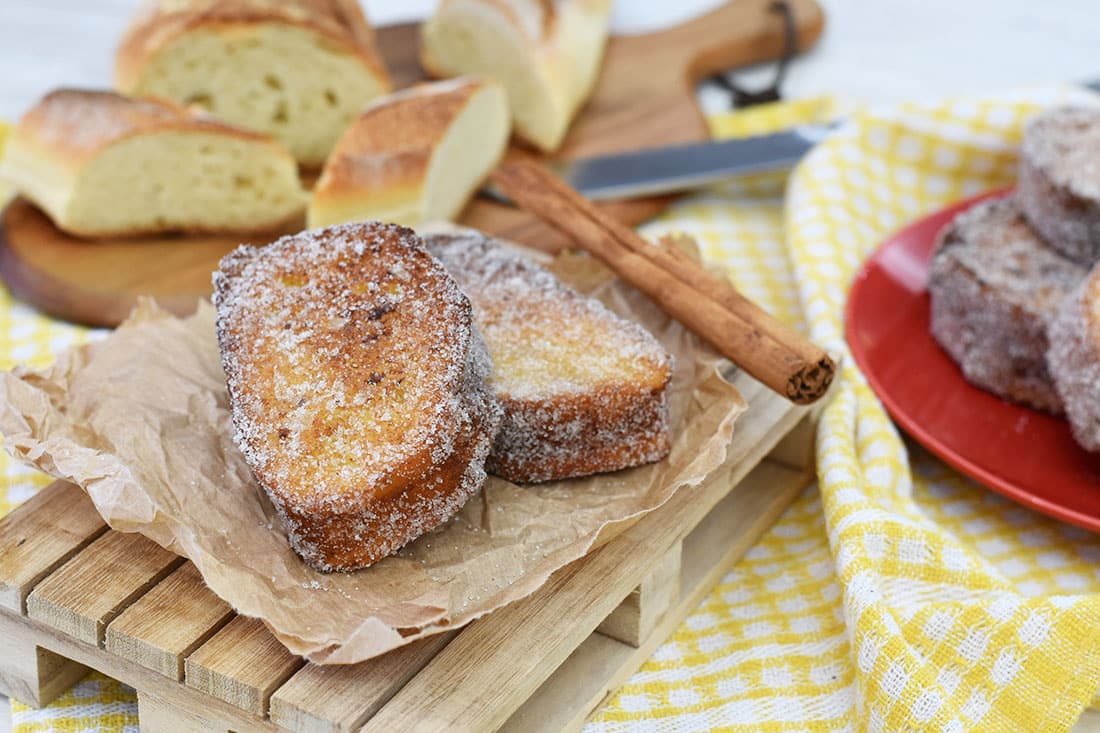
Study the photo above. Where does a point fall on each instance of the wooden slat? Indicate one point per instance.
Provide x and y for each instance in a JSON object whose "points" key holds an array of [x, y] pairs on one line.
{"points": [[169, 622], [338, 698], [242, 664], [600, 665], [33, 675], [95, 585], [635, 618], [199, 704], [40, 535], [495, 664], [157, 716]]}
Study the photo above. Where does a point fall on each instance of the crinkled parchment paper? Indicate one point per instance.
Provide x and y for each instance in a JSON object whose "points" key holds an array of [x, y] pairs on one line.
{"points": [[140, 421]]}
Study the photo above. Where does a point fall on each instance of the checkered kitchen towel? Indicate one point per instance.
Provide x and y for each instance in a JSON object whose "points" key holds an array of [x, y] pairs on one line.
{"points": [[900, 596]]}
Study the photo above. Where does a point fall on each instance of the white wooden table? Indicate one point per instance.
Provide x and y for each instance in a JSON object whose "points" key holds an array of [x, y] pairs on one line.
{"points": [[885, 50]]}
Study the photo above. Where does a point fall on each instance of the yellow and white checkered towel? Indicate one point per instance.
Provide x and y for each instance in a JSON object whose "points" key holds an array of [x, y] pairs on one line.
{"points": [[899, 597]]}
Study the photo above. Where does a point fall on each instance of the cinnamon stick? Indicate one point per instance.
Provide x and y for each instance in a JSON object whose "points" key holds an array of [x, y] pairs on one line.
{"points": [[707, 305]]}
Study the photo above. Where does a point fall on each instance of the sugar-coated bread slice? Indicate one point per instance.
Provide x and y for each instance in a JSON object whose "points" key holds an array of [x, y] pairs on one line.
{"points": [[1074, 359], [413, 156], [547, 53], [298, 70], [995, 286], [584, 391], [357, 383], [1059, 180], [101, 164]]}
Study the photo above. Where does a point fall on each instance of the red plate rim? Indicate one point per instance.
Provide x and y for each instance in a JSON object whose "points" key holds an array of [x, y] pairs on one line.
{"points": [[911, 425]]}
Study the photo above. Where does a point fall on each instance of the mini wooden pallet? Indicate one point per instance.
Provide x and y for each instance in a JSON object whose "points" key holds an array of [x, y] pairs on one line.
{"points": [[75, 594]]}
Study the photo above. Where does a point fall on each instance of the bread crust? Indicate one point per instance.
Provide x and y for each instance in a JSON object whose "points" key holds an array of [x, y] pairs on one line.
{"points": [[994, 287], [386, 153], [159, 22], [70, 126], [357, 383], [566, 55], [1074, 360], [565, 425], [1059, 182]]}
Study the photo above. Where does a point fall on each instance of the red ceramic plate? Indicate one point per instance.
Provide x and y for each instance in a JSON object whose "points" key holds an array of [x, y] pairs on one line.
{"points": [[1026, 455]]}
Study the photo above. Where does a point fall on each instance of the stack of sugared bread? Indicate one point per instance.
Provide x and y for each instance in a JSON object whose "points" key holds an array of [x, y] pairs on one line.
{"points": [[1014, 282], [374, 380]]}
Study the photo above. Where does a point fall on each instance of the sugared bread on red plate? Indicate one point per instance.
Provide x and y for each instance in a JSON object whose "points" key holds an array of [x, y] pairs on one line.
{"points": [[1059, 180], [994, 286], [1074, 360]]}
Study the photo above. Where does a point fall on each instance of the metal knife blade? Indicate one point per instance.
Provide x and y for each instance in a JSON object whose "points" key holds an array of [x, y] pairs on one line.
{"points": [[683, 167]]}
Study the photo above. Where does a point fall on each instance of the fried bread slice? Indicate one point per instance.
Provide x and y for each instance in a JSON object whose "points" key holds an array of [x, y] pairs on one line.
{"points": [[1059, 180], [995, 285], [357, 383], [584, 391], [1074, 359]]}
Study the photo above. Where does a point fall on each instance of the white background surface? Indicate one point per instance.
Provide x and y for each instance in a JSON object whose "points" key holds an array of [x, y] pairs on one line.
{"points": [[872, 51]]}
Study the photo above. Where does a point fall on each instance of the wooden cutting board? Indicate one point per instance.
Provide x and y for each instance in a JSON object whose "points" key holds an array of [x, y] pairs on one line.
{"points": [[645, 98]]}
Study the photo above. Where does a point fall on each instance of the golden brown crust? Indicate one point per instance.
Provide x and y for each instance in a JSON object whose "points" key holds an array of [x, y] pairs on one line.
{"points": [[160, 21], [73, 125], [566, 414], [389, 146], [357, 383]]}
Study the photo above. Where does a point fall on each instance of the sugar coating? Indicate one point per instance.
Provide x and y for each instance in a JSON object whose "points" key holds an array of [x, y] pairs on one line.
{"points": [[1059, 180], [358, 387], [995, 286], [1074, 360], [584, 390]]}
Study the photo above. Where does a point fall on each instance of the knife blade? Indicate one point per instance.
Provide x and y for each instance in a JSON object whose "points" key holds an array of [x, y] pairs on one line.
{"points": [[675, 168], [654, 171]]}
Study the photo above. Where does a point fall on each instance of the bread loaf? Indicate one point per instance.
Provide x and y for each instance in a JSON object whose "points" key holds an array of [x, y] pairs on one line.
{"points": [[1059, 180], [413, 156], [547, 54], [357, 384], [995, 286], [101, 164], [584, 391], [298, 70]]}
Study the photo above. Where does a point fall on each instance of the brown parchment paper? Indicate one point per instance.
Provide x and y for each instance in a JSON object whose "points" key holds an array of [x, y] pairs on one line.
{"points": [[140, 421]]}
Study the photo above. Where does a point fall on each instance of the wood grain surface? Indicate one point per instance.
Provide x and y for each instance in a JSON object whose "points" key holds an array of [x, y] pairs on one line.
{"points": [[40, 535], [169, 622], [645, 97], [242, 664], [74, 599]]}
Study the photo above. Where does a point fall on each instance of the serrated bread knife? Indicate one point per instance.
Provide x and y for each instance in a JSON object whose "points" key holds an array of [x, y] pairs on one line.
{"points": [[676, 168]]}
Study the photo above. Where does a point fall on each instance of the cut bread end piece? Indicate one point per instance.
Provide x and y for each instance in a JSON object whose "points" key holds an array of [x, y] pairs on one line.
{"points": [[584, 391], [288, 81], [101, 164], [414, 156], [547, 56]]}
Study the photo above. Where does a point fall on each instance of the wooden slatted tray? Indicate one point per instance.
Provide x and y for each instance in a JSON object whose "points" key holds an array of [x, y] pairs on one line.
{"points": [[75, 594]]}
